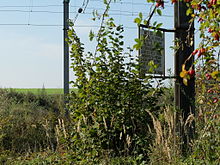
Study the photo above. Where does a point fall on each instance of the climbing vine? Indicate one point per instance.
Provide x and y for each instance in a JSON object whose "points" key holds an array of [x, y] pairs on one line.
{"points": [[206, 13]]}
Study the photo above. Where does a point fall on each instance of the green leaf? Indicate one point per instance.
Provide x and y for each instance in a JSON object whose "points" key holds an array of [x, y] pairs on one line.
{"points": [[137, 21], [112, 24], [159, 12], [105, 2], [140, 15], [136, 40], [159, 25], [152, 66], [91, 35], [121, 43], [159, 33], [138, 44], [189, 11]]}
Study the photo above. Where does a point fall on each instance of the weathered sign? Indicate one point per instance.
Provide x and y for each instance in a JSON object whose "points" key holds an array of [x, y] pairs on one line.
{"points": [[153, 49]]}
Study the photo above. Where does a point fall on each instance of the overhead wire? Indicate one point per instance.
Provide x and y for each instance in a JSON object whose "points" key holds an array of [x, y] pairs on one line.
{"points": [[84, 6], [26, 24], [50, 5], [30, 8], [58, 25], [31, 11], [133, 3], [25, 6], [73, 6], [74, 12]]}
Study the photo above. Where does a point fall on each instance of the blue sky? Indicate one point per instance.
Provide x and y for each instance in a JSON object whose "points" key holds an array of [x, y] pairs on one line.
{"points": [[32, 54]]}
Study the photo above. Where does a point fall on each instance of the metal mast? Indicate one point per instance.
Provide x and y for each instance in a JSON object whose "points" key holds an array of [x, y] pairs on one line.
{"points": [[66, 46]]}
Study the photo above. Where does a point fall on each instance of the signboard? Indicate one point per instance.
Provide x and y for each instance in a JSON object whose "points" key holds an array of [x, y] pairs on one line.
{"points": [[153, 49]]}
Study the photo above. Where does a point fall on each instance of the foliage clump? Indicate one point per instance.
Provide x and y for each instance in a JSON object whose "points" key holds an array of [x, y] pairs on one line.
{"points": [[28, 123], [109, 109]]}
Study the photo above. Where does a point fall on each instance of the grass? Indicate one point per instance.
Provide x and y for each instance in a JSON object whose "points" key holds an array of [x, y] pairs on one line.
{"points": [[31, 124], [39, 90], [49, 91]]}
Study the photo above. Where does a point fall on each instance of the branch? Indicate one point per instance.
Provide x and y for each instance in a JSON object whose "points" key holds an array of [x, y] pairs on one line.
{"points": [[151, 15], [102, 22]]}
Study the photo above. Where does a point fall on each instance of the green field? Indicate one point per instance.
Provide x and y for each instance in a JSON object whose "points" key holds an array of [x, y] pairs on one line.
{"points": [[49, 91]]}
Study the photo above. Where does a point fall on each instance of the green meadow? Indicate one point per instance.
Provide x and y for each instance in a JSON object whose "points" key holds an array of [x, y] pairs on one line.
{"points": [[49, 91], [39, 90]]}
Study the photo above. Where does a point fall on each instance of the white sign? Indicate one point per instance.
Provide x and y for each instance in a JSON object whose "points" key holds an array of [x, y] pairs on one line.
{"points": [[153, 49]]}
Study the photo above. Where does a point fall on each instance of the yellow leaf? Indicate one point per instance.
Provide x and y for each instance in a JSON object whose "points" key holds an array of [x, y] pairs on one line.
{"points": [[183, 67], [185, 81], [193, 15], [183, 74], [214, 74]]}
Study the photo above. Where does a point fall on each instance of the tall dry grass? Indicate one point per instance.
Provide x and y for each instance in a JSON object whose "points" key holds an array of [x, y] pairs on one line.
{"points": [[166, 148]]}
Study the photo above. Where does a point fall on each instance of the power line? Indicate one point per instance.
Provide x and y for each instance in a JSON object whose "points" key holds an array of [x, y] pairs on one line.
{"points": [[29, 11], [132, 3], [74, 12], [26, 6], [73, 6], [26, 24], [58, 25], [83, 7], [85, 4], [123, 11], [30, 8], [23, 6]]}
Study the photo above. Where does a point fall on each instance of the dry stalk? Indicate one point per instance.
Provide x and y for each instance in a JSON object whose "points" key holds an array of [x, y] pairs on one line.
{"points": [[166, 147]]}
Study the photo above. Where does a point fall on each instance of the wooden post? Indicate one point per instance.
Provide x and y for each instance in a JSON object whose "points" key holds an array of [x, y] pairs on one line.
{"points": [[184, 95]]}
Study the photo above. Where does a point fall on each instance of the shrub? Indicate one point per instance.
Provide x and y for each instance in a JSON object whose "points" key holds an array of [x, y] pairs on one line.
{"points": [[28, 122], [109, 109]]}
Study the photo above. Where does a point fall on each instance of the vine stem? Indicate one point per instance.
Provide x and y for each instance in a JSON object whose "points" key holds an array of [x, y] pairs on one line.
{"points": [[151, 15], [101, 25]]}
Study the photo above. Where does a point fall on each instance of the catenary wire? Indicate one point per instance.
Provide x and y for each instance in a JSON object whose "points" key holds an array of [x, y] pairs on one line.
{"points": [[25, 6], [30, 8], [84, 6], [57, 25], [133, 3], [74, 12]]}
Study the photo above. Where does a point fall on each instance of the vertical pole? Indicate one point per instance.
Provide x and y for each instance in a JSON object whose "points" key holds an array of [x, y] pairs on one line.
{"points": [[66, 46], [184, 95]]}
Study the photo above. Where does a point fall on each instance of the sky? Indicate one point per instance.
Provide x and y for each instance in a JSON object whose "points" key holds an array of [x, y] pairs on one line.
{"points": [[31, 42]]}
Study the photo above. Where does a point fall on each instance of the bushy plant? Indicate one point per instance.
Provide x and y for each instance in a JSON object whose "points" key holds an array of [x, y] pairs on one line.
{"points": [[28, 122], [166, 148], [206, 147], [109, 110], [48, 157]]}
